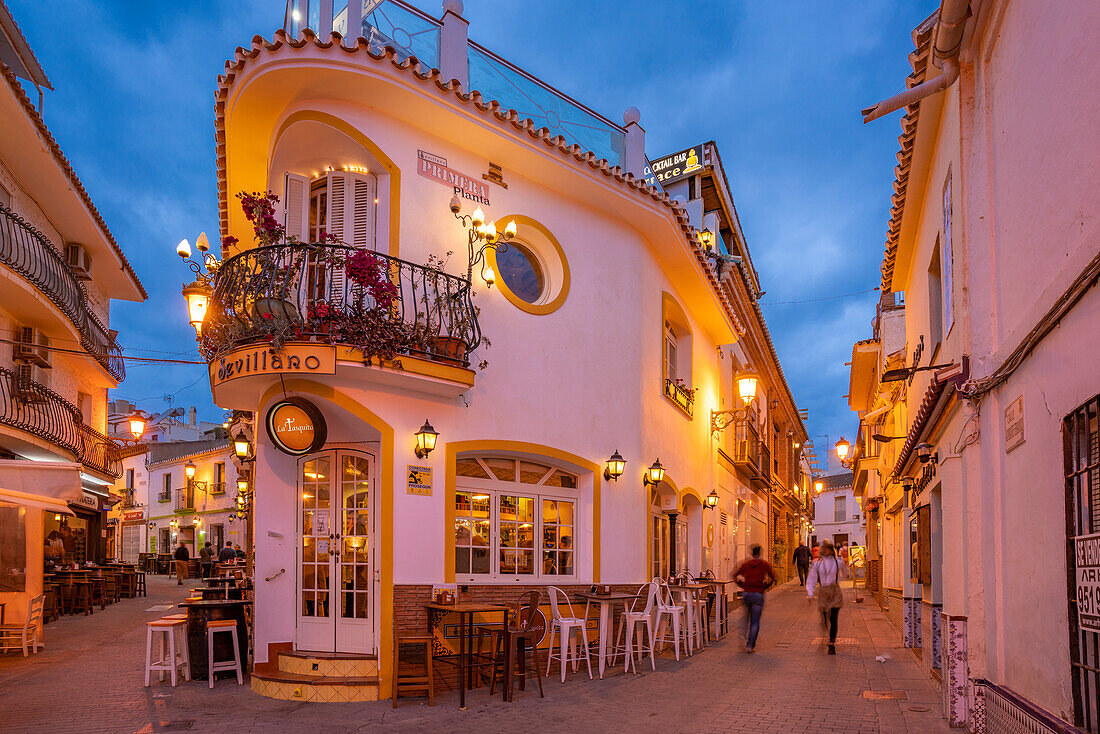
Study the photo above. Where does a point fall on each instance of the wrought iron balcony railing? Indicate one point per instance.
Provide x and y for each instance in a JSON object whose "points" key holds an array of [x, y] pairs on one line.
{"points": [[29, 253], [165, 495], [293, 292], [36, 409], [99, 452], [749, 450], [185, 498]]}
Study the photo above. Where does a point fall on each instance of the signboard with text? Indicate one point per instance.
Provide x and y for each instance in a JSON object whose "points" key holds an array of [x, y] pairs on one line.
{"points": [[1086, 552], [466, 187], [309, 359], [419, 480], [670, 168], [296, 426]]}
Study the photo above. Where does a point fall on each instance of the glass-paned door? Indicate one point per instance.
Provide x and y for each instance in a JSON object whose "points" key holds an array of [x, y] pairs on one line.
{"points": [[336, 590]]}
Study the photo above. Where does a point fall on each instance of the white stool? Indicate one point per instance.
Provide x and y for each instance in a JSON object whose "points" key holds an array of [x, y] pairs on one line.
{"points": [[213, 627], [699, 621], [643, 616], [565, 626], [675, 613], [171, 635]]}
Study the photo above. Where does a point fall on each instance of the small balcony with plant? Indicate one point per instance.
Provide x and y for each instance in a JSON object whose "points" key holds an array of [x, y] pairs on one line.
{"points": [[284, 291]]}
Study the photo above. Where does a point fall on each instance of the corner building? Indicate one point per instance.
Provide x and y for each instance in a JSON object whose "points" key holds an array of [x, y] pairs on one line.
{"points": [[612, 327]]}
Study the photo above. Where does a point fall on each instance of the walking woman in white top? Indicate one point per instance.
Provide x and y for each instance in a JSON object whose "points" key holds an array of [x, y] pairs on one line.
{"points": [[825, 576]]}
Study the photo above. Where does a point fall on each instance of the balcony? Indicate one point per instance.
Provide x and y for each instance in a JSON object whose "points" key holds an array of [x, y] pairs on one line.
{"points": [[28, 252], [683, 397], [217, 488], [185, 499], [749, 452], [165, 495], [127, 499], [100, 453], [300, 292]]}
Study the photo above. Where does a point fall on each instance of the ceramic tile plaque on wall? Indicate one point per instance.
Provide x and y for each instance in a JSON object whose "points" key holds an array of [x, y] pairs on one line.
{"points": [[1014, 424]]}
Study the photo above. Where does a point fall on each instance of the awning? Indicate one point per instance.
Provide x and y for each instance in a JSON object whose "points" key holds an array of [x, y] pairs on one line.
{"points": [[34, 500], [46, 484]]}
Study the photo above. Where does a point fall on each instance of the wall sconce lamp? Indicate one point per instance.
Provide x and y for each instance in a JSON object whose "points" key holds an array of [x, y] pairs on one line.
{"points": [[925, 453], [242, 447], [706, 239], [482, 236], [746, 389], [615, 466], [818, 486], [174, 522], [232, 516], [189, 470], [425, 440], [242, 486], [152, 524], [712, 499], [197, 521], [654, 474], [137, 424]]}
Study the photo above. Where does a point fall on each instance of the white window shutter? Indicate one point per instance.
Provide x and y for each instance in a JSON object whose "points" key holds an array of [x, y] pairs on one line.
{"points": [[337, 226], [296, 206], [361, 211]]}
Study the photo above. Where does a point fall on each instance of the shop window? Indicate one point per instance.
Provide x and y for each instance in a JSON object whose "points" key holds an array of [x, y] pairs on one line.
{"points": [[514, 519]]}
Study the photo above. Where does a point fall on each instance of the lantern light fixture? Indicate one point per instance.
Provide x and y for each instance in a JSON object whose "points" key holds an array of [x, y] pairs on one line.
{"points": [[924, 452], [713, 499], [425, 440], [655, 474], [843, 447], [197, 294], [137, 424], [482, 235], [189, 469], [746, 386], [242, 486], [706, 239], [747, 382], [241, 446], [615, 466], [818, 486]]}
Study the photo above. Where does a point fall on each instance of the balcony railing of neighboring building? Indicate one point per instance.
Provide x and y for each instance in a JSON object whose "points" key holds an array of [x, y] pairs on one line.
{"points": [[411, 32], [36, 409], [29, 253], [127, 499], [217, 488], [99, 452], [165, 495], [300, 292], [748, 450], [185, 498]]}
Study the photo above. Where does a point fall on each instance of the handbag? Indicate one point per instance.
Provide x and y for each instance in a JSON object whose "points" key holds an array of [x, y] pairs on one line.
{"points": [[830, 596]]}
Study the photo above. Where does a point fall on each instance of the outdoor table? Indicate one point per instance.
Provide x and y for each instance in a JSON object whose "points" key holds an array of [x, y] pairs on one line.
{"points": [[214, 592], [465, 612], [690, 589], [606, 603], [198, 614]]}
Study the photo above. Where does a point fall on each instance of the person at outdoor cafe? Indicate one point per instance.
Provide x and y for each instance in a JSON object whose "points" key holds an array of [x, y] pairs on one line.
{"points": [[227, 554], [182, 557]]}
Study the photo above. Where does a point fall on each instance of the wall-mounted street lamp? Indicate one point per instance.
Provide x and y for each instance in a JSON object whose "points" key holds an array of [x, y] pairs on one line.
{"points": [[818, 486], [712, 499], [925, 453], [746, 390], [198, 292], [615, 467], [137, 424], [242, 447], [189, 470], [706, 239], [482, 236], [425, 440], [654, 475]]}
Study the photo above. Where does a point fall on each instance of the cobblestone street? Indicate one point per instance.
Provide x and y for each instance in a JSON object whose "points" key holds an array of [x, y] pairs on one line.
{"points": [[89, 679]]}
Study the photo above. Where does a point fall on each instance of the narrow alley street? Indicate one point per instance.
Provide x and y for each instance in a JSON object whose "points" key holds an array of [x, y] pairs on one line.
{"points": [[89, 679]]}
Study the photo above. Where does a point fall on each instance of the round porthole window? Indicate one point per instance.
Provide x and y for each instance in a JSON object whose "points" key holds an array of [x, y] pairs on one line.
{"points": [[532, 271], [520, 270]]}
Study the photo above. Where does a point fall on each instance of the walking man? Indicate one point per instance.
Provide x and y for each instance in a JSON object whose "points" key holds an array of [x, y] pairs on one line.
{"points": [[206, 560], [802, 562], [825, 576], [182, 557], [754, 576]]}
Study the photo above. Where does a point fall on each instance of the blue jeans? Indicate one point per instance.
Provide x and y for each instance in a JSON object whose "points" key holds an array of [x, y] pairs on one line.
{"points": [[754, 606]]}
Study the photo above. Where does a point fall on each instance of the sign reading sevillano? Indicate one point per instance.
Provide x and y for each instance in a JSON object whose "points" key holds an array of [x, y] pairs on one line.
{"points": [[315, 359], [435, 168], [296, 426], [1086, 557]]}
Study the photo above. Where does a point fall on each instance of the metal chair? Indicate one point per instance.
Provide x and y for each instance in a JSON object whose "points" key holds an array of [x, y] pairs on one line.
{"points": [[639, 615], [565, 626], [667, 607]]}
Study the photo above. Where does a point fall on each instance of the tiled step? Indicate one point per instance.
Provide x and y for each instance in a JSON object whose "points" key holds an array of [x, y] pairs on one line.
{"points": [[325, 665], [268, 680]]}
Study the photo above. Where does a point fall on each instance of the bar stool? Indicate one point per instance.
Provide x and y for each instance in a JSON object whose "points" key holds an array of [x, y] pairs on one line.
{"points": [[565, 626], [699, 620], [640, 616], [81, 599], [110, 583], [99, 592], [523, 628], [139, 587], [666, 607], [50, 604], [213, 627], [171, 635], [413, 682]]}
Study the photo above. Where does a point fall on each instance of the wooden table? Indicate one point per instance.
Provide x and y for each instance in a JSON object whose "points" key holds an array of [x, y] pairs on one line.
{"points": [[198, 614], [465, 612], [606, 603]]}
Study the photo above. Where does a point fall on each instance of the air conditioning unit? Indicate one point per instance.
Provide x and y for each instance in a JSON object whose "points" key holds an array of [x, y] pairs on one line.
{"points": [[80, 262], [29, 381], [31, 345]]}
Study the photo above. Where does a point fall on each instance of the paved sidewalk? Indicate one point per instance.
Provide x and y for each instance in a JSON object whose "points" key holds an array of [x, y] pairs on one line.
{"points": [[90, 680]]}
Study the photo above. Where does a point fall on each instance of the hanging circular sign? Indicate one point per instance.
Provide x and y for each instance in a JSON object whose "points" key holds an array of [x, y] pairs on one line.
{"points": [[296, 426]]}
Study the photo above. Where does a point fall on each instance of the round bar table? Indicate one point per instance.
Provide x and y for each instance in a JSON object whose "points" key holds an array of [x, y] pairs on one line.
{"points": [[198, 614]]}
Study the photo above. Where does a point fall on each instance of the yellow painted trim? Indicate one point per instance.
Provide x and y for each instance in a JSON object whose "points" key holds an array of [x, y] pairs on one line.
{"points": [[693, 492], [540, 309], [386, 500], [451, 451], [413, 366], [392, 168]]}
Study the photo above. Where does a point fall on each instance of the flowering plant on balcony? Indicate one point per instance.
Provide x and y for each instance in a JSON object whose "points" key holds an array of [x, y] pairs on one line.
{"points": [[369, 271]]}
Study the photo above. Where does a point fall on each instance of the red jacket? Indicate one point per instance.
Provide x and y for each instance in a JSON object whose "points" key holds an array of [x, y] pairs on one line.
{"points": [[755, 575]]}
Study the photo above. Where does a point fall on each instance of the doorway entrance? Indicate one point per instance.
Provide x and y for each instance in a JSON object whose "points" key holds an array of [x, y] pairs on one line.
{"points": [[337, 573]]}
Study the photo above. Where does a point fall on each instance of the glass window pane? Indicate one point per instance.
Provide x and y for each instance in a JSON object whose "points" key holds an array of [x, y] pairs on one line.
{"points": [[531, 473], [480, 561], [561, 479], [525, 509], [549, 511], [504, 469], [520, 270], [565, 513], [462, 560], [470, 468]]}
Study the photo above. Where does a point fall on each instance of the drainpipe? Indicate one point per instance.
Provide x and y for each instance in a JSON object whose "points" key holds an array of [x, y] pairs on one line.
{"points": [[946, 44]]}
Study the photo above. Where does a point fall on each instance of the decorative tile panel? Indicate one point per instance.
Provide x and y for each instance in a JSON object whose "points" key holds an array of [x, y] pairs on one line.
{"points": [[956, 670]]}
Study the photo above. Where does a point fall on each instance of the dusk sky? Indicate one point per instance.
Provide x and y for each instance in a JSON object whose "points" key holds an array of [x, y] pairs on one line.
{"points": [[778, 86]]}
